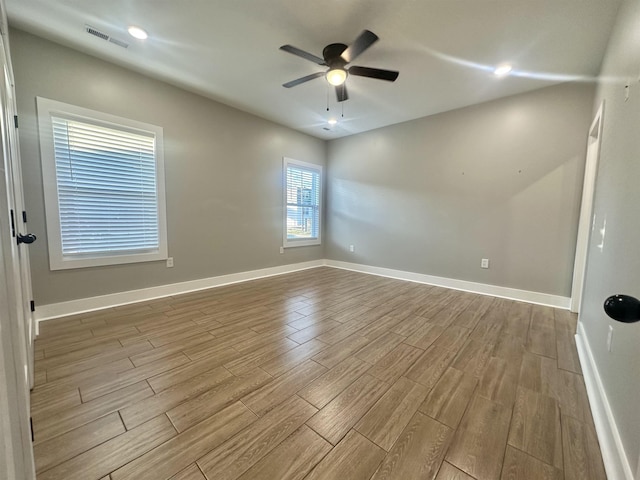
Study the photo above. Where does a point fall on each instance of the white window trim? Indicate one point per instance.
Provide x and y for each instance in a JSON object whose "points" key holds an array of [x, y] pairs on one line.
{"points": [[57, 261], [286, 242]]}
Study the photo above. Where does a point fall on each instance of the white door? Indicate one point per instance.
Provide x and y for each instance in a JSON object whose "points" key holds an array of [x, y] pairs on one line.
{"points": [[16, 457], [8, 124]]}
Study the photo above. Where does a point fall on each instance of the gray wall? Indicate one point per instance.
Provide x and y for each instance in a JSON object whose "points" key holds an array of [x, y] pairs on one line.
{"points": [[223, 172], [500, 180], [616, 267]]}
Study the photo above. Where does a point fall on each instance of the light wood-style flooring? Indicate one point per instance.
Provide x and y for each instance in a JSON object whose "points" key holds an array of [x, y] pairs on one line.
{"points": [[319, 374]]}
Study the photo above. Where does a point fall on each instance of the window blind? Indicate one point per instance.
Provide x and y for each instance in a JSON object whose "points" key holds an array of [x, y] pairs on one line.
{"points": [[107, 192], [303, 202]]}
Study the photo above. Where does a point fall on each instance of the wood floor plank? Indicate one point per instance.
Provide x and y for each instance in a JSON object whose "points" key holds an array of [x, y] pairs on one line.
{"points": [[59, 449], [500, 381], [567, 351], [449, 472], [384, 422], [140, 412], [185, 448], [263, 399], [192, 472], [326, 387], [430, 366], [336, 353], [238, 454], [473, 357], [170, 348], [105, 458], [535, 427], [339, 462], [64, 421], [572, 396], [518, 466], [293, 459], [312, 331], [539, 374], [191, 369], [215, 399], [242, 363], [425, 335], [129, 377], [418, 452], [343, 412], [289, 359], [379, 347], [452, 338], [449, 398], [95, 361], [470, 451], [395, 363], [581, 451]]}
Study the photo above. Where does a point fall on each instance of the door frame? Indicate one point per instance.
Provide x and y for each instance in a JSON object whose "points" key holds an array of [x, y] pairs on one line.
{"points": [[586, 209]]}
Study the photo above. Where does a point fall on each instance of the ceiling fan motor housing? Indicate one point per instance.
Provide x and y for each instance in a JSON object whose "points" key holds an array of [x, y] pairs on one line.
{"points": [[331, 54]]}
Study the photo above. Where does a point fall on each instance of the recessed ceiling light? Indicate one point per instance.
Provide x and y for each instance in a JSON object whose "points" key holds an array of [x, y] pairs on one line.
{"points": [[332, 121], [502, 70], [137, 32]]}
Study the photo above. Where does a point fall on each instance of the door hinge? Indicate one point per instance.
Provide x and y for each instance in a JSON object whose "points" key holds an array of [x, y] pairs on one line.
{"points": [[33, 439], [32, 305], [13, 225], [24, 216], [15, 120]]}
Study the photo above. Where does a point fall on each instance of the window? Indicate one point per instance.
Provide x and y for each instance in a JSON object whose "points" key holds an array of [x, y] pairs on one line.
{"points": [[302, 203], [104, 187]]}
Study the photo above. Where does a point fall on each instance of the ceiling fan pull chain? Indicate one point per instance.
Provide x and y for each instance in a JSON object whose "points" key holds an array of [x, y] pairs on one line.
{"points": [[327, 90]]}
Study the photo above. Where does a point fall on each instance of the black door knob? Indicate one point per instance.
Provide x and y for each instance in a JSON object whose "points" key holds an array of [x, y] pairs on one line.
{"points": [[28, 238], [623, 308]]}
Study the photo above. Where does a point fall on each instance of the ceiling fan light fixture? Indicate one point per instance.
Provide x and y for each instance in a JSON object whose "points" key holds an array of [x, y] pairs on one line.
{"points": [[137, 32], [332, 121], [336, 76]]}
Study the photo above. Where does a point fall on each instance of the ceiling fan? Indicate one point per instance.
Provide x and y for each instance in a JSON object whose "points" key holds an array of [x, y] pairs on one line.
{"points": [[336, 56]]}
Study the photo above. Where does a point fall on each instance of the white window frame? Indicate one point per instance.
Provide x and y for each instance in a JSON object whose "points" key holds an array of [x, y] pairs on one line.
{"points": [[287, 242], [57, 260]]}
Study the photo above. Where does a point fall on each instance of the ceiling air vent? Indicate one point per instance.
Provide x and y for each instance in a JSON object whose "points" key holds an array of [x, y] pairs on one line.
{"points": [[104, 36]]}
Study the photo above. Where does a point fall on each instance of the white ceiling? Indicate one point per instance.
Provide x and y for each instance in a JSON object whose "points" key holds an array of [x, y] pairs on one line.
{"points": [[228, 50]]}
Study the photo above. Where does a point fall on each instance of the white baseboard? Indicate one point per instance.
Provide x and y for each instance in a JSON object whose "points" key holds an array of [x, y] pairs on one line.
{"points": [[72, 307], [473, 287], [615, 461]]}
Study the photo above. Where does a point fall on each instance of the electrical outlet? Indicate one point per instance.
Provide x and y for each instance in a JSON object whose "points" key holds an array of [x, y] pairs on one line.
{"points": [[281, 249], [609, 338], [484, 263], [170, 262], [352, 248]]}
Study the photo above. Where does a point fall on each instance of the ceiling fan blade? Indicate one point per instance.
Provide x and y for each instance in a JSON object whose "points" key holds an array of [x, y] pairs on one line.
{"points": [[301, 53], [298, 81], [388, 75], [364, 41], [341, 92]]}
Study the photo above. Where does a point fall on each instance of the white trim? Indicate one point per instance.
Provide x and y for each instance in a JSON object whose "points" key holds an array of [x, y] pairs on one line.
{"points": [[313, 167], [586, 208], [46, 109], [615, 461], [72, 307], [473, 287]]}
